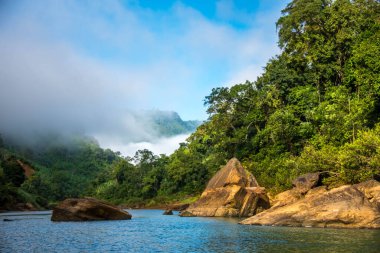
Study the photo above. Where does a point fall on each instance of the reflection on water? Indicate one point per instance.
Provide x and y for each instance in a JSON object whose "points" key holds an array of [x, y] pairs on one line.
{"points": [[150, 231]]}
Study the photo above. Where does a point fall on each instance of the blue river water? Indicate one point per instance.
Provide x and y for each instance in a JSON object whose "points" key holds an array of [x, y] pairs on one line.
{"points": [[150, 231]]}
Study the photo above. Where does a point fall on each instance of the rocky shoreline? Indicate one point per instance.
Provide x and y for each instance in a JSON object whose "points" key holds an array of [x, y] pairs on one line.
{"points": [[348, 206], [235, 192]]}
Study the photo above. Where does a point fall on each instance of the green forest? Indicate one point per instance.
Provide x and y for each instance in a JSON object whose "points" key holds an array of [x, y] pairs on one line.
{"points": [[316, 107]]}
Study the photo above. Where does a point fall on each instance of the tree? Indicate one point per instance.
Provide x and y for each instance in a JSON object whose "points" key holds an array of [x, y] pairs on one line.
{"points": [[1, 141], [13, 172]]}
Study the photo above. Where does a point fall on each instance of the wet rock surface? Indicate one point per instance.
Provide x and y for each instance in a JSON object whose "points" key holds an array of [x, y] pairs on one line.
{"points": [[168, 212], [87, 209]]}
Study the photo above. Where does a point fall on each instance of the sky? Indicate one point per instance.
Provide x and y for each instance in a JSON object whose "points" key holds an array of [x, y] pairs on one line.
{"points": [[90, 65]]}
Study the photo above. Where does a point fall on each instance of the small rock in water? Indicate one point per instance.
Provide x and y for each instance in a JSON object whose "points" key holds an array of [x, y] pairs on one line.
{"points": [[87, 209], [168, 212]]}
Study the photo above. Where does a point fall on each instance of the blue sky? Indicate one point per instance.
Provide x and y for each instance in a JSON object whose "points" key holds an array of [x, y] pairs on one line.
{"points": [[89, 63]]}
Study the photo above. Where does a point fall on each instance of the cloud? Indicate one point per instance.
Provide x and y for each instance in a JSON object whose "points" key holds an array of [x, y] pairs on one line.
{"points": [[158, 146], [51, 87], [92, 66], [228, 11]]}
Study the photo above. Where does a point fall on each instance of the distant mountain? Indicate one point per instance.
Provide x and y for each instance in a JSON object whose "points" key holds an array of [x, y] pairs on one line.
{"points": [[169, 123]]}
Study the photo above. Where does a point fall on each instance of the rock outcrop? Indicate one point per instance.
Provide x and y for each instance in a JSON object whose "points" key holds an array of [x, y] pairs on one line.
{"points": [[87, 209], [28, 170], [371, 190], [233, 191], [177, 207], [308, 181], [349, 206]]}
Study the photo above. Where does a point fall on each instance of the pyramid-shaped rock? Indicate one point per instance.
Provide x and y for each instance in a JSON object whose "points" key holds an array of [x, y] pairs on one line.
{"points": [[233, 191]]}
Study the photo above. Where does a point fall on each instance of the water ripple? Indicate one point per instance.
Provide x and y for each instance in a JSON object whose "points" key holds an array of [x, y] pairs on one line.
{"points": [[150, 231]]}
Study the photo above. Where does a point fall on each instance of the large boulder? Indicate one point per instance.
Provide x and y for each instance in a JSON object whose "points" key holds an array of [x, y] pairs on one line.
{"points": [[233, 191], [307, 181], [87, 209], [349, 206]]}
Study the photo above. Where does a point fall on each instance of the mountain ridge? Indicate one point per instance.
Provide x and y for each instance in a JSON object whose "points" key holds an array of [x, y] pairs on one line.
{"points": [[169, 123]]}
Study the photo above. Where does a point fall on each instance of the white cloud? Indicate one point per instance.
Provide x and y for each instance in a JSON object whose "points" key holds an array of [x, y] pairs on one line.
{"points": [[90, 65], [249, 73], [158, 146], [51, 86]]}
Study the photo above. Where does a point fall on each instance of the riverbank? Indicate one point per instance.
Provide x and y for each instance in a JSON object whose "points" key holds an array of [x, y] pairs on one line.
{"points": [[161, 203]]}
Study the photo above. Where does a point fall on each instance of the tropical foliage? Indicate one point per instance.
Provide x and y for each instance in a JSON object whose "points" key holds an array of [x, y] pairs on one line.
{"points": [[316, 107]]}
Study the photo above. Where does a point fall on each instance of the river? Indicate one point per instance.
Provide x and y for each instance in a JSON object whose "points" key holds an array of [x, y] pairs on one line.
{"points": [[150, 231]]}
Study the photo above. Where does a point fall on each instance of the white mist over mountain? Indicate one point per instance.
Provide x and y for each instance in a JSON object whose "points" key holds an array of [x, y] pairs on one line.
{"points": [[92, 67], [161, 132], [163, 145]]}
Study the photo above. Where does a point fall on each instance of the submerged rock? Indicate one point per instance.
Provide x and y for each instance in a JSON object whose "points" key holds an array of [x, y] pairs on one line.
{"points": [[349, 206], [233, 191], [168, 212], [87, 209], [186, 214]]}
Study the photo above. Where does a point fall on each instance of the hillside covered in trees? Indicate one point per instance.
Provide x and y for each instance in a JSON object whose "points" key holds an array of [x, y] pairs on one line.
{"points": [[58, 167], [316, 107]]}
